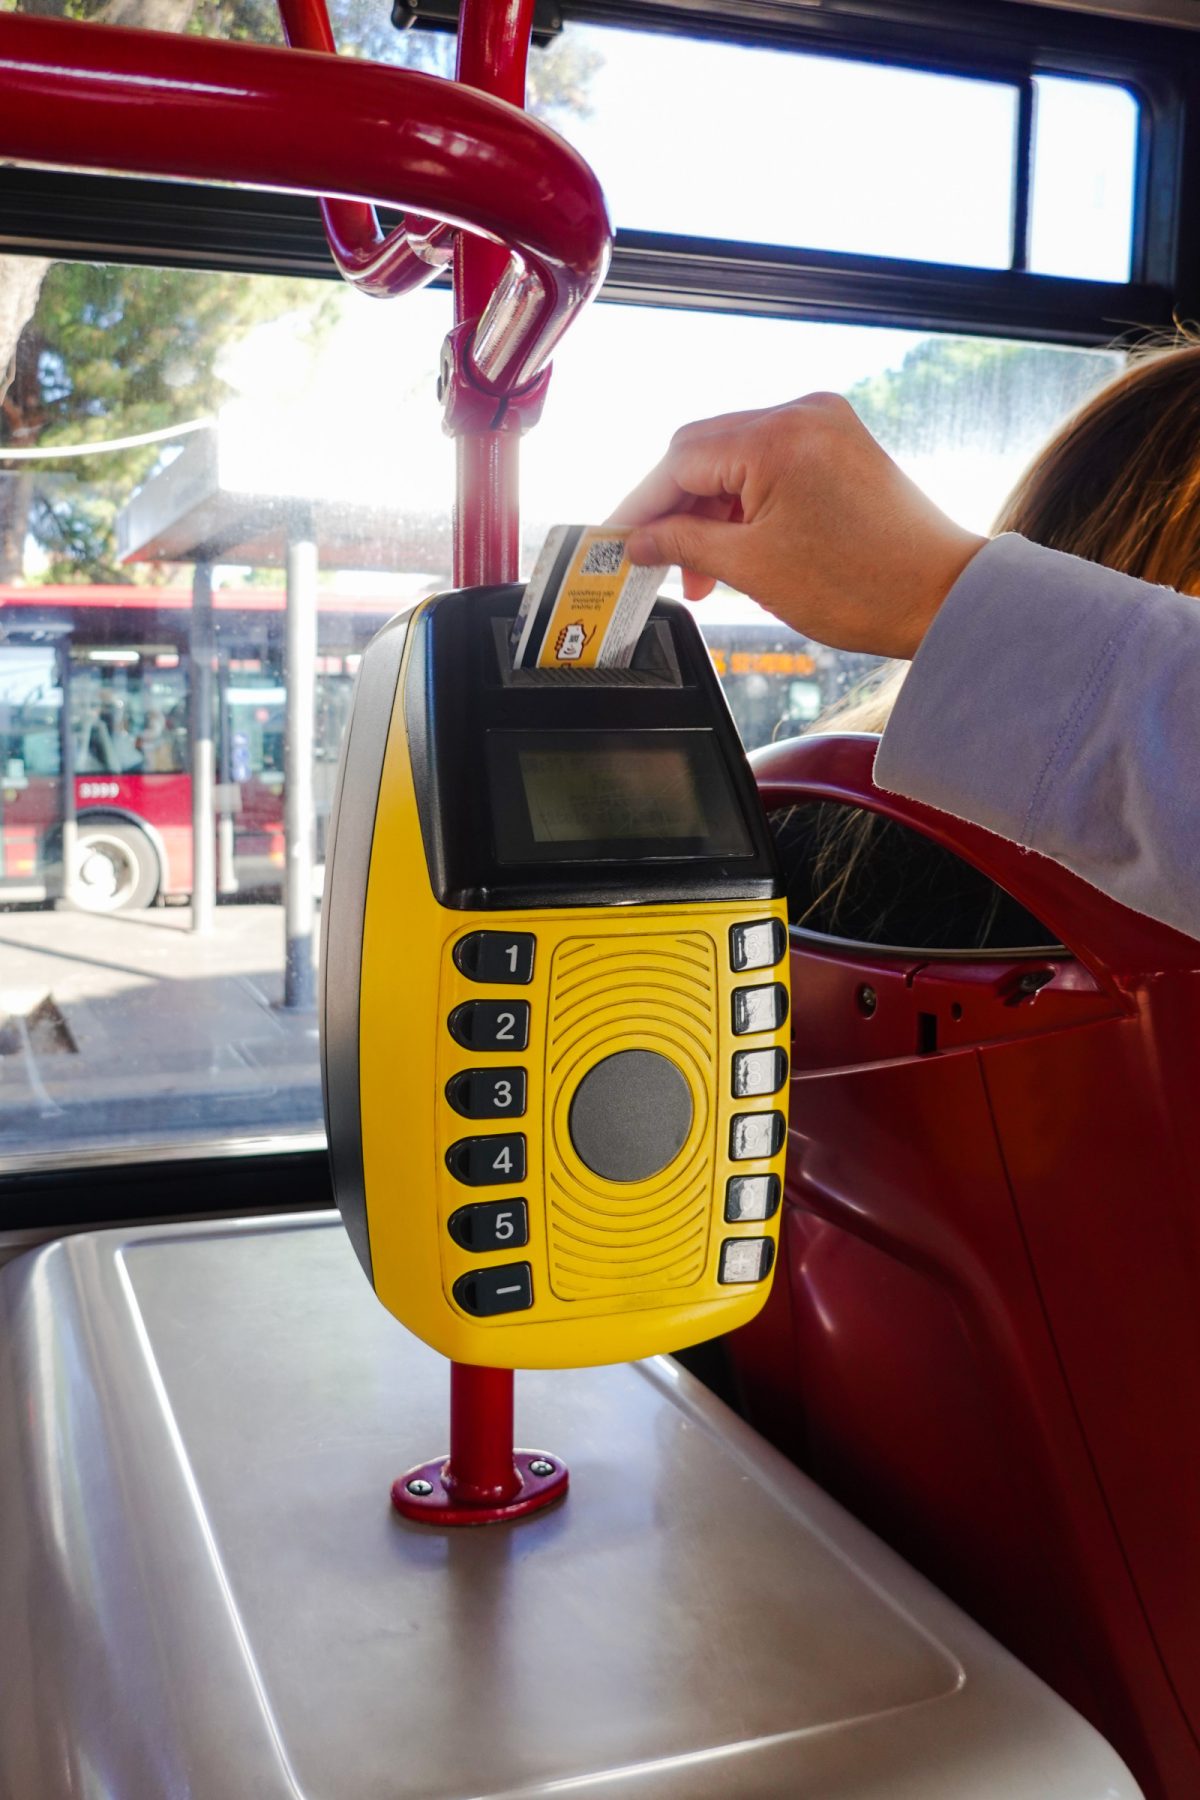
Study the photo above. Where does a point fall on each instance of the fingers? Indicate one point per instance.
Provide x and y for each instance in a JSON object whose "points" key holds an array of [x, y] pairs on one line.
{"points": [[697, 462], [700, 546]]}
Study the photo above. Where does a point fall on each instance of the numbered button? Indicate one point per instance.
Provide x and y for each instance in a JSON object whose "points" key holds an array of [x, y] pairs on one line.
{"points": [[751, 1197], [759, 945], [758, 1072], [488, 1161], [491, 1225], [491, 1024], [486, 1292], [756, 1134], [487, 1093], [745, 1259], [759, 1008], [496, 956]]}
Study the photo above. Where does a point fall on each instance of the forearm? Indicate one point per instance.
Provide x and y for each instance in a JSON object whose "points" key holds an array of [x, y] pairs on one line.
{"points": [[1058, 704]]}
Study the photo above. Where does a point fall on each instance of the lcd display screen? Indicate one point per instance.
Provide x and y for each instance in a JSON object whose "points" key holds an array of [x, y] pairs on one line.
{"points": [[607, 795]]}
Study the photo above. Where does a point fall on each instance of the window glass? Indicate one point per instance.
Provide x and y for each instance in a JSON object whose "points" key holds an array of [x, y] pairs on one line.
{"points": [[1084, 164], [822, 152], [832, 153], [963, 416], [302, 408]]}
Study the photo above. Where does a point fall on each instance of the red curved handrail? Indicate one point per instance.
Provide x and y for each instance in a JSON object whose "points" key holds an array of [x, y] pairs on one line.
{"points": [[1110, 939], [194, 109], [382, 264]]}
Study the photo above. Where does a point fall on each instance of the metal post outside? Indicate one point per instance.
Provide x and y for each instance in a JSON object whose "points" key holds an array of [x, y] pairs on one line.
{"points": [[201, 647], [66, 764], [300, 682], [227, 881]]}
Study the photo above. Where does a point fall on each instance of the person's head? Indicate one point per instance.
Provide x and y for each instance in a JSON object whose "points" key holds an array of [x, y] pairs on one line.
{"points": [[1118, 484]]}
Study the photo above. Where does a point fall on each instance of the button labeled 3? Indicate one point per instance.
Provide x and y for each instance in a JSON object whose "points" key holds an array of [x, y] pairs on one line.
{"points": [[487, 1093]]}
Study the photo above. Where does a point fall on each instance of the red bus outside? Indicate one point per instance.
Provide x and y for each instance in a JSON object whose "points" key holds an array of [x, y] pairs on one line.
{"points": [[123, 652]]}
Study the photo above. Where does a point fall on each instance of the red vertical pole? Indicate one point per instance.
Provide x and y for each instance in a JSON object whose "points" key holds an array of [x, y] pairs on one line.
{"points": [[493, 50], [482, 1480], [493, 53], [481, 1470]]}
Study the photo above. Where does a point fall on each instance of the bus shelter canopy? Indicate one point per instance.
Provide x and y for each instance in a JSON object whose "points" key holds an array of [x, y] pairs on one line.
{"points": [[199, 509]]}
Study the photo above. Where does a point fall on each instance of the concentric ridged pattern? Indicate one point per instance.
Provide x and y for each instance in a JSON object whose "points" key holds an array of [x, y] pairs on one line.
{"points": [[642, 1238]]}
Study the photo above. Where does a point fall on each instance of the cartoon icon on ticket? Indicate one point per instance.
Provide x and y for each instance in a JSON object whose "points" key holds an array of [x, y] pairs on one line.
{"points": [[572, 641]]}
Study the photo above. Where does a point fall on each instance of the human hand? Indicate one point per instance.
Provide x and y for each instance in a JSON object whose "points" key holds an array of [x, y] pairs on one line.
{"points": [[800, 508]]}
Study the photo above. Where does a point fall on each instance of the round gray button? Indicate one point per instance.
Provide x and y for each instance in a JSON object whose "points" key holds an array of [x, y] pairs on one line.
{"points": [[630, 1115]]}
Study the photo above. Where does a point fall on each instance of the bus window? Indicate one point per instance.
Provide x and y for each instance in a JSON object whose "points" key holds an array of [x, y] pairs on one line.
{"points": [[128, 713], [961, 415], [30, 763], [816, 123], [186, 1020]]}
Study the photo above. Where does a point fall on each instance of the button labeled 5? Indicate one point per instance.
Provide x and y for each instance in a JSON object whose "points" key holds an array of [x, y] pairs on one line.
{"points": [[490, 1225]]}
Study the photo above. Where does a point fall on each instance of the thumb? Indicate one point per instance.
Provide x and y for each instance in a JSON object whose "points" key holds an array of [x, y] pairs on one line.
{"points": [[706, 546]]}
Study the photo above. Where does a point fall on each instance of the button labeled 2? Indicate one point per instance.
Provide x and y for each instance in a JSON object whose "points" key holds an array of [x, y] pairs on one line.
{"points": [[487, 1093], [491, 1024], [496, 956], [490, 1225], [488, 1161]]}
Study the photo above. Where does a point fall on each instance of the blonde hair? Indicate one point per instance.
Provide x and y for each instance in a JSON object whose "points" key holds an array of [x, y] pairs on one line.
{"points": [[1118, 484]]}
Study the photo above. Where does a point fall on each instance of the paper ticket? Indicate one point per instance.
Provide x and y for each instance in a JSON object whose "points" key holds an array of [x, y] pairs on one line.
{"points": [[585, 605]]}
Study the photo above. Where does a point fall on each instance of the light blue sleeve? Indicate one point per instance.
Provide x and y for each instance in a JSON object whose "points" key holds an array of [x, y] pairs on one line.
{"points": [[1058, 704]]}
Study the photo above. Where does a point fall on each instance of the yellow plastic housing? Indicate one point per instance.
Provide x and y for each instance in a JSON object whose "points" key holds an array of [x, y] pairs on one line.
{"points": [[619, 1269]]}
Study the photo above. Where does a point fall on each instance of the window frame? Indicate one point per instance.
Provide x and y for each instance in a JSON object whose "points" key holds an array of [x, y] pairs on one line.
{"points": [[102, 218]]}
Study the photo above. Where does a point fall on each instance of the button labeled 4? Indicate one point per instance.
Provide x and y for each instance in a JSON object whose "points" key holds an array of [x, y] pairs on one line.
{"points": [[488, 1161]]}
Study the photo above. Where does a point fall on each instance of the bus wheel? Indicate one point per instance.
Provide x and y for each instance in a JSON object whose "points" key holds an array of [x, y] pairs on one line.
{"points": [[117, 870]]}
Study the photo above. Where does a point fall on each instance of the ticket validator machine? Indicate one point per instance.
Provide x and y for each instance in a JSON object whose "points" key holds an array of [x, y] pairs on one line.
{"points": [[554, 995]]}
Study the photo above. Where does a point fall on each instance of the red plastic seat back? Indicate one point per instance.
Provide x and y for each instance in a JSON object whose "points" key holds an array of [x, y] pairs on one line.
{"points": [[985, 1333]]}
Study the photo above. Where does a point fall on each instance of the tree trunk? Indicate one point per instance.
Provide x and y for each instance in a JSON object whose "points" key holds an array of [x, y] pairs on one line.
{"points": [[20, 284], [16, 498]]}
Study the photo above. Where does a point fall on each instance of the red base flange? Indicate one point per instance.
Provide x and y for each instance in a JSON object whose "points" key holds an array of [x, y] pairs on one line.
{"points": [[543, 1480]]}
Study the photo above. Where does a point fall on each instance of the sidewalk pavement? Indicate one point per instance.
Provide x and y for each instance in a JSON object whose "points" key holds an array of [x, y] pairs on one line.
{"points": [[135, 1027]]}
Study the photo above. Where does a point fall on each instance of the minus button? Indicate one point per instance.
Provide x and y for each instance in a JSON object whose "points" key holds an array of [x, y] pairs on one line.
{"points": [[485, 1292]]}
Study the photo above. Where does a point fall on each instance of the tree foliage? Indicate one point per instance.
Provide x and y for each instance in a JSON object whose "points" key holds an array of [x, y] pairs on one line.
{"points": [[109, 352], [963, 393]]}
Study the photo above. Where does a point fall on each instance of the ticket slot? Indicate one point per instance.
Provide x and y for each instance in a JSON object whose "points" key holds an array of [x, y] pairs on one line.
{"points": [[471, 760]]}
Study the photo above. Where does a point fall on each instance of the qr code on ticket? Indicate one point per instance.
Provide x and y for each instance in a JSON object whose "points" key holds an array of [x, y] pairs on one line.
{"points": [[604, 557]]}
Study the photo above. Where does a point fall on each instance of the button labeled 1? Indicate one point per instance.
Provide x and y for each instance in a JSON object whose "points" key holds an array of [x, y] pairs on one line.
{"points": [[496, 956], [487, 1093]]}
